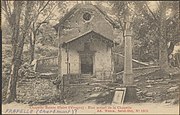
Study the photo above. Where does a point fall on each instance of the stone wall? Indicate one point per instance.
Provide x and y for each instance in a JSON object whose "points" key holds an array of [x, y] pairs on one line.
{"points": [[46, 64], [35, 89]]}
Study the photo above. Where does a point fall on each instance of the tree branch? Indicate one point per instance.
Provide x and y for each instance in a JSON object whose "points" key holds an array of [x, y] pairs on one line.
{"points": [[132, 10], [41, 10], [151, 12], [49, 13], [45, 20], [6, 11], [9, 8]]}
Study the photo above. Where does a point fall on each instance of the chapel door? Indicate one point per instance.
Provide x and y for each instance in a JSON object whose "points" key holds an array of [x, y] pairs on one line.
{"points": [[86, 64]]}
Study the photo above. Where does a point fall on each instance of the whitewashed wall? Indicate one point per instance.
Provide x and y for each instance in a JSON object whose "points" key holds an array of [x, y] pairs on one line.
{"points": [[102, 58]]}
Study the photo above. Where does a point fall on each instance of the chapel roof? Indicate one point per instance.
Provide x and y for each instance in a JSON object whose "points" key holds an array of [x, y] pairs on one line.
{"points": [[91, 32], [81, 5]]}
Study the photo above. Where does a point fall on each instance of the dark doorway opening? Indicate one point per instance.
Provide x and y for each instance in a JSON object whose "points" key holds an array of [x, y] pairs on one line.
{"points": [[86, 64]]}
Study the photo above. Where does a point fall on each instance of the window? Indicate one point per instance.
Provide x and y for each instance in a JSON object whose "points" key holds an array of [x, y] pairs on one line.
{"points": [[86, 16]]}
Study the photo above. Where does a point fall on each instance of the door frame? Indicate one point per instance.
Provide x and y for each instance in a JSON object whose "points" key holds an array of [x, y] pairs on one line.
{"points": [[93, 61]]}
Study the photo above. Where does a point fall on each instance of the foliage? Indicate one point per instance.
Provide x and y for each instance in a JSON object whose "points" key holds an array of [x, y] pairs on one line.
{"points": [[26, 71], [47, 36], [147, 25]]}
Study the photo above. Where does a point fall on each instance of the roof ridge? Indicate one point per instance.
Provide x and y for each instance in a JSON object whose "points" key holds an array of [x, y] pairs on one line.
{"points": [[106, 16]]}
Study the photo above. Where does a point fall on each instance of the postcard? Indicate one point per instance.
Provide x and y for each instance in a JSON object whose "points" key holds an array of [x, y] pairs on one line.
{"points": [[90, 57]]}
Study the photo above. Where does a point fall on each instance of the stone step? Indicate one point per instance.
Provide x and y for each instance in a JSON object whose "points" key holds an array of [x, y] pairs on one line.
{"points": [[48, 75]]}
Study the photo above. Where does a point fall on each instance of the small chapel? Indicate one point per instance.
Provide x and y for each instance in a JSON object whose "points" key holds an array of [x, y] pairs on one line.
{"points": [[86, 38]]}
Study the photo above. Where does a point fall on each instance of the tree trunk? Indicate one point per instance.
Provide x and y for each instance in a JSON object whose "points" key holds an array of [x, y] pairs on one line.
{"points": [[163, 55], [18, 45], [11, 91], [31, 53], [163, 48], [15, 25], [171, 48], [32, 46]]}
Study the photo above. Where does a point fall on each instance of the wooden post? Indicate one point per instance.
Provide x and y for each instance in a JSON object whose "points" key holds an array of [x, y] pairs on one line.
{"points": [[112, 64], [59, 55], [67, 62], [67, 51]]}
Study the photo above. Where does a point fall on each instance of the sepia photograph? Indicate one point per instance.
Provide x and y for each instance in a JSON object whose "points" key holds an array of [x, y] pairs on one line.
{"points": [[90, 57]]}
